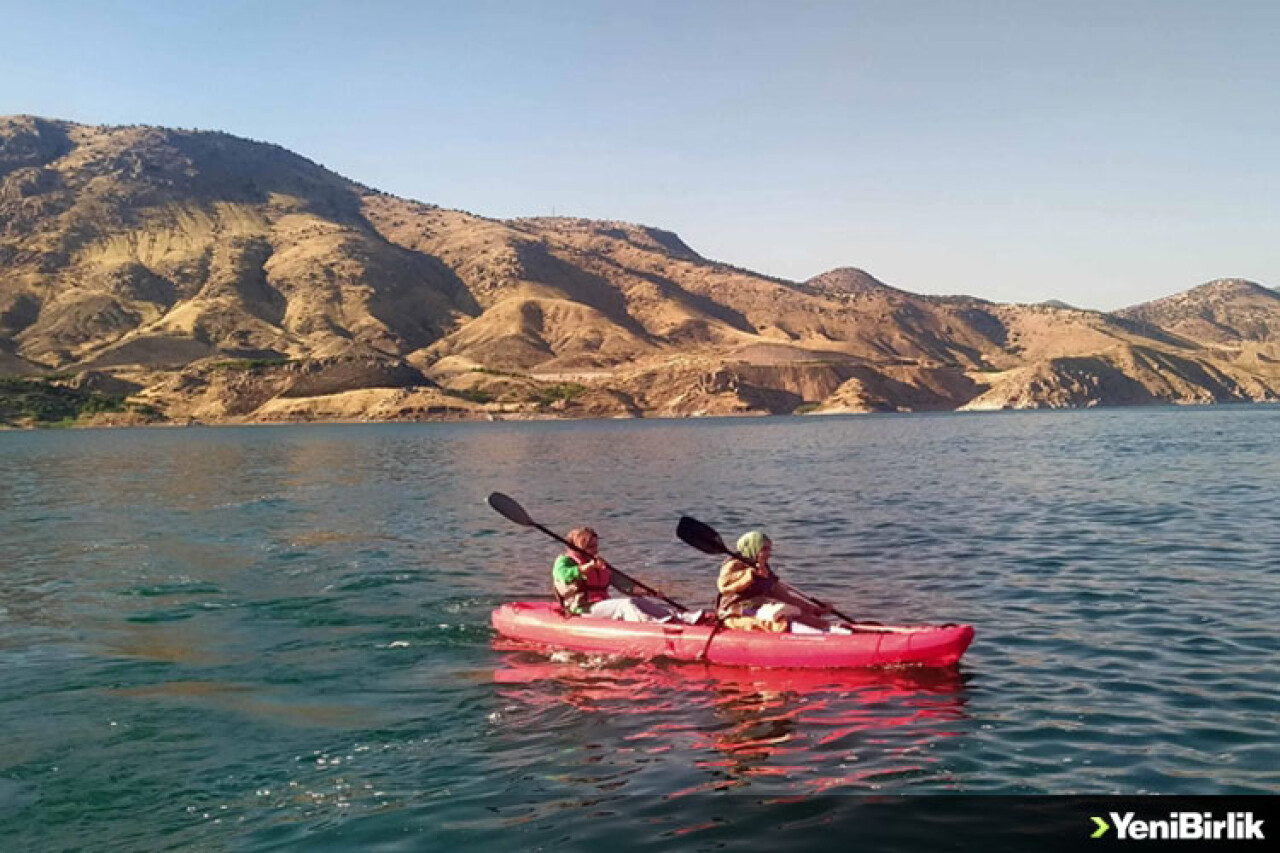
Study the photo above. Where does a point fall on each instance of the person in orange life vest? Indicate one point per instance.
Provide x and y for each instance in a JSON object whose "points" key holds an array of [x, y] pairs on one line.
{"points": [[755, 598], [582, 580]]}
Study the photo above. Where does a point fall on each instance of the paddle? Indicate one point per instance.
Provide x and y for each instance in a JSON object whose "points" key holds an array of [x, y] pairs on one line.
{"points": [[512, 511], [705, 538]]}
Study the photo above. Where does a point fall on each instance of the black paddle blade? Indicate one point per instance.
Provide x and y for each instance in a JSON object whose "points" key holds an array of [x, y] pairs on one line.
{"points": [[701, 536], [509, 509]]}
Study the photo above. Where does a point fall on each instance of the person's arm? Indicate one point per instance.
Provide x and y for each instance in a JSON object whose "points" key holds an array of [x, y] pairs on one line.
{"points": [[735, 577], [568, 578], [565, 570]]}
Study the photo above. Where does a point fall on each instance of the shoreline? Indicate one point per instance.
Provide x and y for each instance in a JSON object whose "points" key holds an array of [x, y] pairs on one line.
{"points": [[508, 418]]}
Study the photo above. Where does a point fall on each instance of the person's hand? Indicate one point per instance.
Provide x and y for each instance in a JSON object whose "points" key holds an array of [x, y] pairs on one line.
{"points": [[585, 558]]}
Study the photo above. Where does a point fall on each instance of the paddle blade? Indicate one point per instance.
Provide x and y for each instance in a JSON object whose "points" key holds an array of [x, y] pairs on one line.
{"points": [[701, 536], [509, 509]]}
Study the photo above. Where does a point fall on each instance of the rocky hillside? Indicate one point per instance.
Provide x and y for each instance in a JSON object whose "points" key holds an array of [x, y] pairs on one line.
{"points": [[224, 279], [1230, 312]]}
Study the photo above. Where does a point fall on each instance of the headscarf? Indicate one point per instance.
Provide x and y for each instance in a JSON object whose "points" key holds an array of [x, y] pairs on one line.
{"points": [[751, 544]]}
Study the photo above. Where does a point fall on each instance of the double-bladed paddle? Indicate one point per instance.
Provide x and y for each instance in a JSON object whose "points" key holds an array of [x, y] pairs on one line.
{"points": [[507, 507]]}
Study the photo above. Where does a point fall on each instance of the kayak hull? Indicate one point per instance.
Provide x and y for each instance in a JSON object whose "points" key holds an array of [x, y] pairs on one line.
{"points": [[541, 623]]}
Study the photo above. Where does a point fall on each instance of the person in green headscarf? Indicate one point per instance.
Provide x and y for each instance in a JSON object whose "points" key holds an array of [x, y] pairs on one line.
{"points": [[753, 597]]}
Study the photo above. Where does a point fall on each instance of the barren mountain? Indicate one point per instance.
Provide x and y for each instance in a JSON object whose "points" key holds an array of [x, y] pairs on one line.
{"points": [[1226, 312], [223, 279]]}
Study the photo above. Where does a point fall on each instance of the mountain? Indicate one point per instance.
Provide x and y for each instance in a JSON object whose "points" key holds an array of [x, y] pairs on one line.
{"points": [[1227, 312], [217, 278], [156, 247]]}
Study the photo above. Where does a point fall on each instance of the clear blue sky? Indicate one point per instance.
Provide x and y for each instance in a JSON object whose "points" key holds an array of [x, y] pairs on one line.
{"points": [[1101, 152]]}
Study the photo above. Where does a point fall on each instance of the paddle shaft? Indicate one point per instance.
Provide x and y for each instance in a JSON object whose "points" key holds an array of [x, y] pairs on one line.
{"points": [[705, 538], [715, 629], [626, 577], [742, 558], [871, 628]]}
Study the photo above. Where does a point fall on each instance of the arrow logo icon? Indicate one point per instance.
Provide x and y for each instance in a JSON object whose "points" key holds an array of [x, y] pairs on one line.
{"points": [[1103, 826]]}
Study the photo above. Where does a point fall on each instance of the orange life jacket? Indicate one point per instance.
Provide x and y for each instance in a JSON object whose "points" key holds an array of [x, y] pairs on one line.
{"points": [[596, 581], [590, 586]]}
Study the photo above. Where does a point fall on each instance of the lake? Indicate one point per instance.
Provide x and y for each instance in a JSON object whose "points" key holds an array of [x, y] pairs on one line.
{"points": [[278, 637]]}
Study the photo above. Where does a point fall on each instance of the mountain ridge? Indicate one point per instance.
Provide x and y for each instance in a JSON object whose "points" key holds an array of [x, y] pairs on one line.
{"points": [[156, 254]]}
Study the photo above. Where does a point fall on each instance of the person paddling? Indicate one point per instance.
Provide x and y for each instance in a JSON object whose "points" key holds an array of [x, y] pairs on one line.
{"points": [[582, 578], [753, 597]]}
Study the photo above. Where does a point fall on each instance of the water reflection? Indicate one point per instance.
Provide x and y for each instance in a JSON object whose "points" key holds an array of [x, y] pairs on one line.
{"points": [[793, 731]]}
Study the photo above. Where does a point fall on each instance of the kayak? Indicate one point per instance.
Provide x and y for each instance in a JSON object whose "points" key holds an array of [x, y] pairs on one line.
{"points": [[542, 624]]}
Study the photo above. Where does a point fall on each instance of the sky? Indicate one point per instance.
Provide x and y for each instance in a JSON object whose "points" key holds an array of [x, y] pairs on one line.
{"points": [[1097, 152]]}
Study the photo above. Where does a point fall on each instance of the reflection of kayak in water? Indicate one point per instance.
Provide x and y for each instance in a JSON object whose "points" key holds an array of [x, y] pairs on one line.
{"points": [[790, 730], [542, 623], [618, 678]]}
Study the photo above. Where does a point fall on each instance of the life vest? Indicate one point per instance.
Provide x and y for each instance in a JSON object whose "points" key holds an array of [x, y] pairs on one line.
{"points": [[591, 586], [730, 572], [596, 581]]}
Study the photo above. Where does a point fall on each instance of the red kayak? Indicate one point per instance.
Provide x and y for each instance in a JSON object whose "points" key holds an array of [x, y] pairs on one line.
{"points": [[541, 623]]}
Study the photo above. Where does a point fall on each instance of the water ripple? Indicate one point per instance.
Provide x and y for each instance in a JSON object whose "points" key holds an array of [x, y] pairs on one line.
{"points": [[271, 638]]}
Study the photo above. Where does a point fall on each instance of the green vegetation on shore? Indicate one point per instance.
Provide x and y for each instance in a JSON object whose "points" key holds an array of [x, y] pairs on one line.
{"points": [[474, 395], [539, 395], [556, 392], [42, 402]]}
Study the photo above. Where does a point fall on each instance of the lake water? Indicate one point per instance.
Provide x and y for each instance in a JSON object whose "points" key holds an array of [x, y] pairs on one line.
{"points": [[274, 638]]}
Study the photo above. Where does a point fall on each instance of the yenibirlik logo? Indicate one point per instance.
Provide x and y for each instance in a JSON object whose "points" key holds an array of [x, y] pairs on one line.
{"points": [[1183, 826]]}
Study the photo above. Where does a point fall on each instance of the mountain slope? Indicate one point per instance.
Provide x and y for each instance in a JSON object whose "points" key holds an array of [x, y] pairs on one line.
{"points": [[142, 245], [212, 272], [1226, 312]]}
